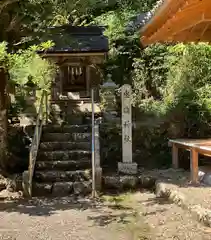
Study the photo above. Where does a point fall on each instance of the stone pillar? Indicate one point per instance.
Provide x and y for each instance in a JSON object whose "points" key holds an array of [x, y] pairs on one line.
{"points": [[127, 166]]}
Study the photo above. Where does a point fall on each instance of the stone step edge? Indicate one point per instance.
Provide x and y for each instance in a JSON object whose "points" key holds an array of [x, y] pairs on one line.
{"points": [[56, 163], [67, 133], [60, 171], [70, 133], [67, 126], [67, 142], [52, 125], [69, 145], [62, 188], [66, 151], [82, 159]]}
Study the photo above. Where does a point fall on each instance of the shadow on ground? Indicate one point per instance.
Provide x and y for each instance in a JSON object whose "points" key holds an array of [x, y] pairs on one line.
{"points": [[48, 206], [106, 219], [101, 214]]}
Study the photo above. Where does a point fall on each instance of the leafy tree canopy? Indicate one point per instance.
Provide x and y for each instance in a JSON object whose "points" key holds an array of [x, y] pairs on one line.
{"points": [[26, 18], [26, 65]]}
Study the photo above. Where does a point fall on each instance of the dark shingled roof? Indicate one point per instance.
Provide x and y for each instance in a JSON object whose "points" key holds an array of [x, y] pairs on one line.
{"points": [[76, 39], [137, 22], [143, 18], [153, 11]]}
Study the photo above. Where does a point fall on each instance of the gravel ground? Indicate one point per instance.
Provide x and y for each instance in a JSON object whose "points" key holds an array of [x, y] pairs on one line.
{"points": [[168, 221], [56, 219], [138, 216]]}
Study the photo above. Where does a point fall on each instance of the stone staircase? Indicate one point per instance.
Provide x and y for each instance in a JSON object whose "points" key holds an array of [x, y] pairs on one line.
{"points": [[63, 165], [73, 111]]}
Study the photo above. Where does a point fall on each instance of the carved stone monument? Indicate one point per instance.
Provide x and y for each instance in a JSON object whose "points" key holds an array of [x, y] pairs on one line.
{"points": [[127, 166]]}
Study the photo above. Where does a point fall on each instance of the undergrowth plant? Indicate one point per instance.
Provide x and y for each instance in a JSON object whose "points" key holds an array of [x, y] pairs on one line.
{"points": [[174, 82]]}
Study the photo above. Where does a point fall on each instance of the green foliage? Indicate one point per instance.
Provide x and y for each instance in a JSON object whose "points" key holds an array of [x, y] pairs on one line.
{"points": [[123, 46], [3, 53], [149, 77], [26, 65], [116, 22], [173, 82], [23, 21]]}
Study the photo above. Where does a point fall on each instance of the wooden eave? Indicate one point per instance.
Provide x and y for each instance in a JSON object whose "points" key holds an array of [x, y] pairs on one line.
{"points": [[186, 21]]}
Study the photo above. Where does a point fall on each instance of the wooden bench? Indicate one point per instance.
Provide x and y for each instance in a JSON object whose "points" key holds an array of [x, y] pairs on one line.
{"points": [[196, 147]]}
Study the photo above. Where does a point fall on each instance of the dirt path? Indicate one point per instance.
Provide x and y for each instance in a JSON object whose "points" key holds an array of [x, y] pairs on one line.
{"points": [[62, 219]]}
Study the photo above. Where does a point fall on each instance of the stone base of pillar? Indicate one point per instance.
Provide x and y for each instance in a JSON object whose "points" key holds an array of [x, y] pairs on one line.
{"points": [[128, 168], [98, 178]]}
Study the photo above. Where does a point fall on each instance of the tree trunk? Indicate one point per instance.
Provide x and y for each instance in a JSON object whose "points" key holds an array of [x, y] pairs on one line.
{"points": [[3, 118]]}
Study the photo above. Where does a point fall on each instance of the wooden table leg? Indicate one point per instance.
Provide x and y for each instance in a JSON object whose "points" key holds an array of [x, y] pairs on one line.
{"points": [[194, 166], [175, 161]]}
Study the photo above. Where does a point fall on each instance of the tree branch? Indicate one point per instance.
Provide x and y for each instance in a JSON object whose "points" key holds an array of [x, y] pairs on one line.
{"points": [[13, 23], [6, 3]]}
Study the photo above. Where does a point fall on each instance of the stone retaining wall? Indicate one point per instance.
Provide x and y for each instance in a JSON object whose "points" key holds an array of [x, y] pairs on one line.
{"points": [[165, 183], [202, 214]]}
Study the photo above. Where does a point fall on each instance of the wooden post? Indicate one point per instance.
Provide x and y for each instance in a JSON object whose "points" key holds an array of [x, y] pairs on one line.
{"points": [[194, 167], [175, 159]]}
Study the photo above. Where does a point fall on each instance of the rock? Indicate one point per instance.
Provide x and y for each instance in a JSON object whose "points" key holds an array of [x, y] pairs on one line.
{"points": [[129, 182], [112, 182], [82, 188], [5, 194], [162, 190], [147, 182], [206, 179], [42, 189], [128, 168], [62, 188], [120, 182], [207, 219], [201, 175], [3, 185]]}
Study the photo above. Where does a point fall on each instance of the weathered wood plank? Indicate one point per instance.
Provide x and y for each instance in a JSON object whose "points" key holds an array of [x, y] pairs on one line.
{"points": [[175, 157], [194, 165]]}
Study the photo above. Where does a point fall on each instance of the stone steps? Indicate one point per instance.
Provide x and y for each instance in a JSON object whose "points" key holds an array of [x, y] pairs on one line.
{"points": [[63, 165], [74, 107], [62, 176], [59, 189], [66, 129], [70, 111], [63, 155], [66, 137], [54, 146]]}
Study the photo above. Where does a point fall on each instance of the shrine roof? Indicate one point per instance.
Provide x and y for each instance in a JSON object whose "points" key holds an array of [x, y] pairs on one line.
{"points": [[178, 21], [74, 39]]}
